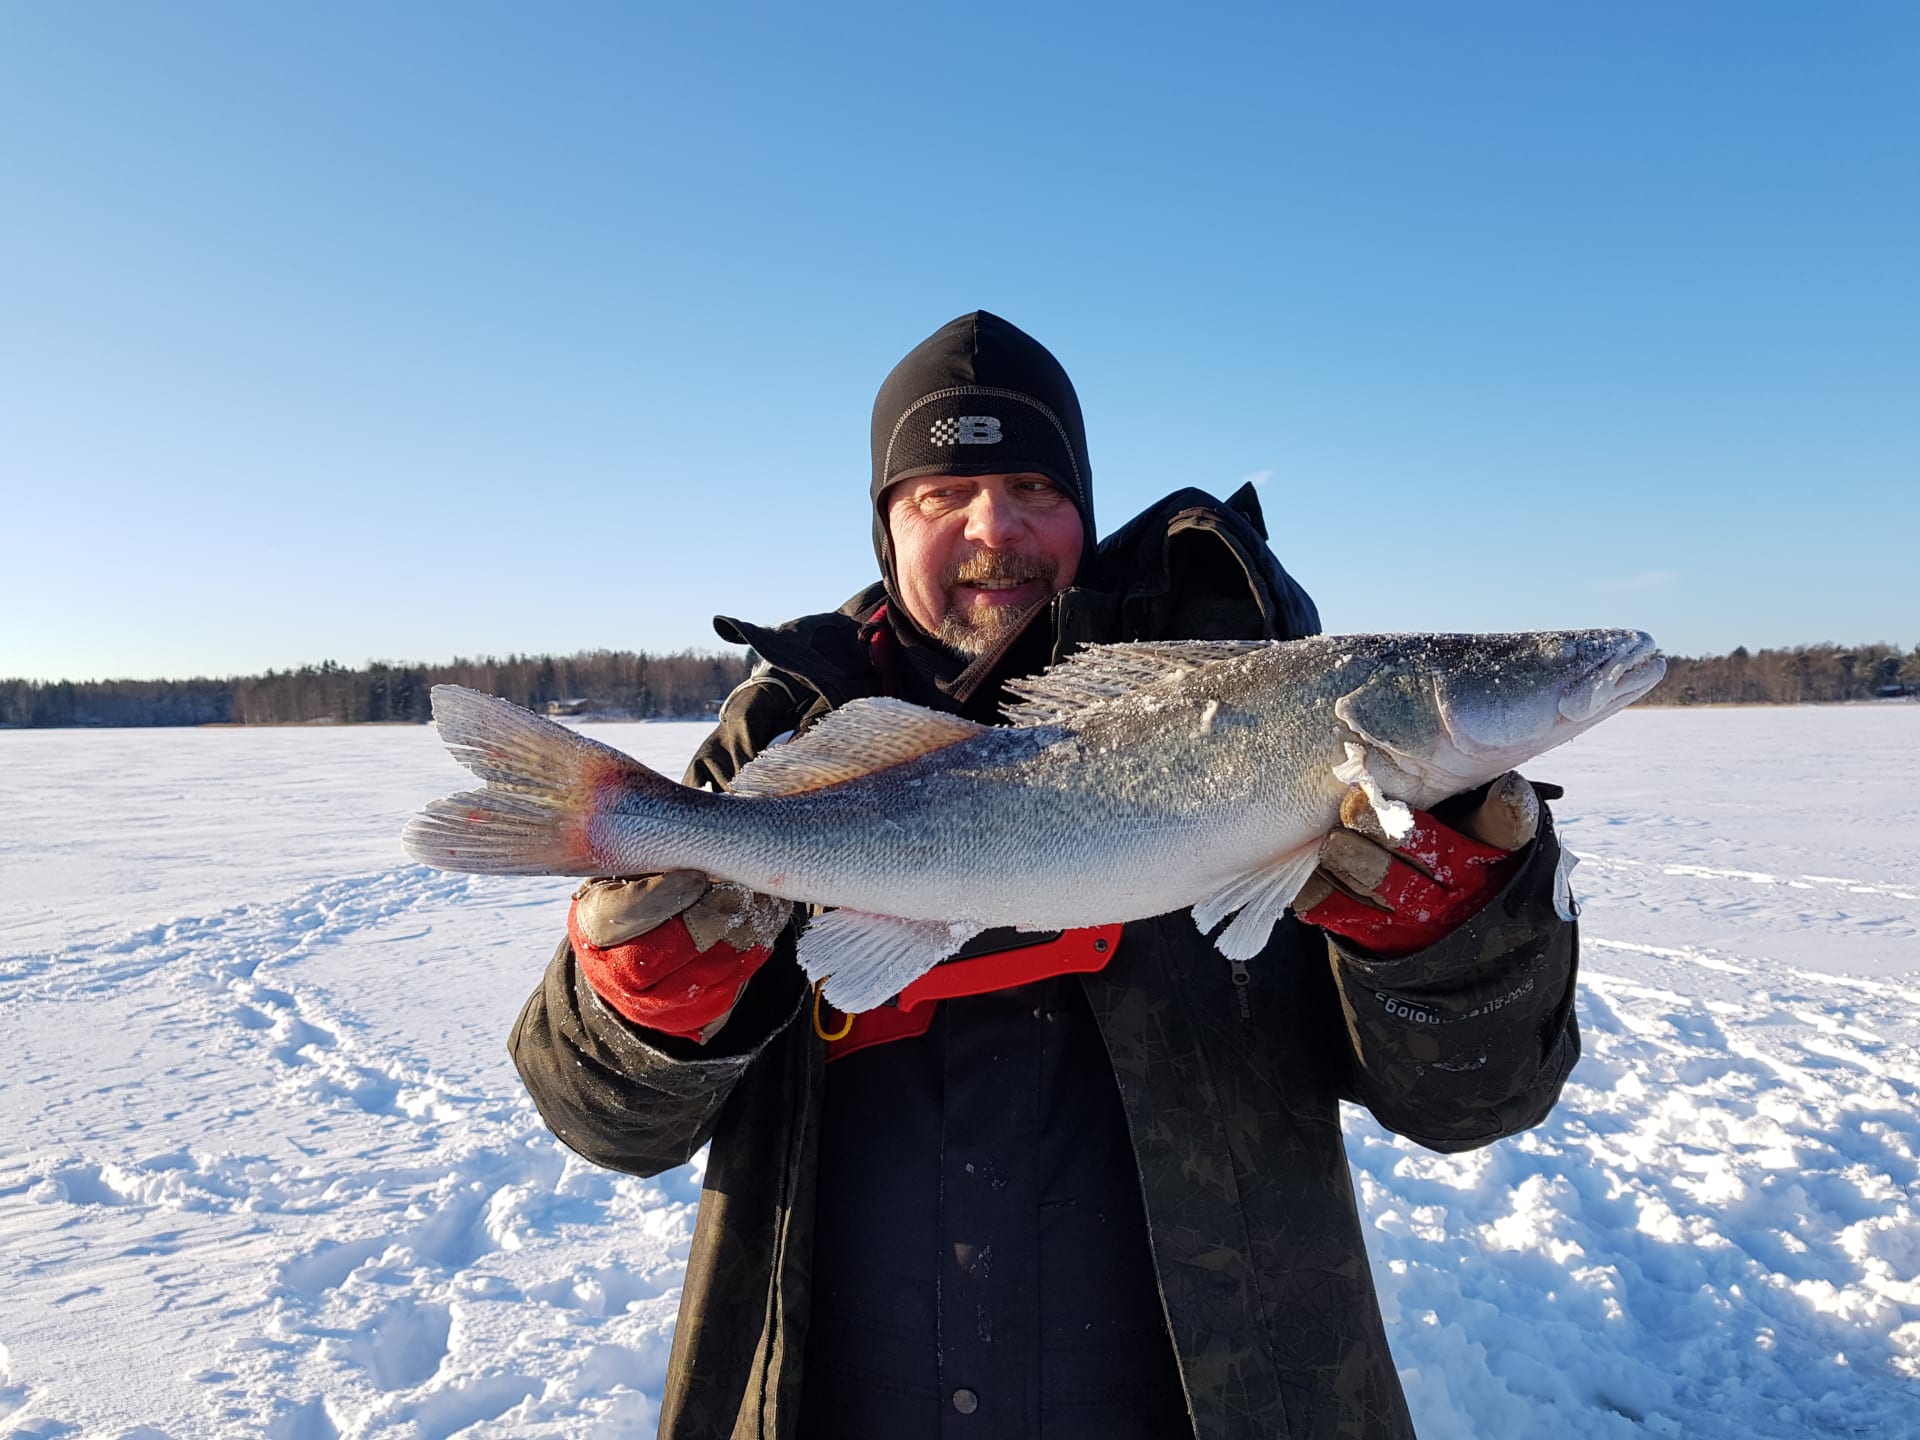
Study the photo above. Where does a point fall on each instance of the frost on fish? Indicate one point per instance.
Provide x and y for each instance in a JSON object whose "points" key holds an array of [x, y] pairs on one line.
{"points": [[1133, 780], [1395, 816]]}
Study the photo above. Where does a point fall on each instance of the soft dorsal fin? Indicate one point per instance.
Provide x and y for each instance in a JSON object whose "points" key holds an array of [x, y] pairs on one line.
{"points": [[1101, 673], [859, 738]]}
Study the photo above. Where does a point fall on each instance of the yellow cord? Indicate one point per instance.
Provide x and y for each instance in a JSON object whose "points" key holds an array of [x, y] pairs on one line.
{"points": [[818, 1028]]}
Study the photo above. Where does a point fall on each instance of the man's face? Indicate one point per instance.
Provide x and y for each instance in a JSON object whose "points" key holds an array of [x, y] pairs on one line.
{"points": [[972, 553]]}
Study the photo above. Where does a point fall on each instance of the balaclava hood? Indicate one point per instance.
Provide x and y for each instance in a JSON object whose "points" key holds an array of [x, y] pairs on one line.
{"points": [[979, 396]]}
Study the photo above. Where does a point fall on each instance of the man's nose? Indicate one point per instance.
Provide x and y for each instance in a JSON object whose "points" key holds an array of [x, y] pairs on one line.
{"points": [[992, 520]]}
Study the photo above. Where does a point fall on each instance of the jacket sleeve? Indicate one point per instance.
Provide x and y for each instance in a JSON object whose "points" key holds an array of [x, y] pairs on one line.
{"points": [[1471, 1039], [628, 1098]]}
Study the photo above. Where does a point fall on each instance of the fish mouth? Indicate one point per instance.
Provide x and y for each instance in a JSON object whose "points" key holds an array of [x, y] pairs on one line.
{"points": [[1632, 668]]}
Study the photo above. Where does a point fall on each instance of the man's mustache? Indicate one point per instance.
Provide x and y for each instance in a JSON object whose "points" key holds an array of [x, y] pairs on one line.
{"points": [[1008, 565]]}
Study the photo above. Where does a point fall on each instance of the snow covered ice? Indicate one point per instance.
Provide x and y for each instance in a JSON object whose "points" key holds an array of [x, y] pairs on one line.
{"points": [[265, 1169]]}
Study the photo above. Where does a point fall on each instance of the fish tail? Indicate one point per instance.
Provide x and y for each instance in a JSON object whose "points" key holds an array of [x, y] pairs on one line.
{"points": [[545, 787]]}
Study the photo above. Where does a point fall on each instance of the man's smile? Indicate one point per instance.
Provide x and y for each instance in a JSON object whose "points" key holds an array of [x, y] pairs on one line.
{"points": [[995, 583], [981, 594]]}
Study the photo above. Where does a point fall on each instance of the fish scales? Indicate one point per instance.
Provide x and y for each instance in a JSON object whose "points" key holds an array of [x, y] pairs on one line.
{"points": [[1137, 780], [1049, 828]]}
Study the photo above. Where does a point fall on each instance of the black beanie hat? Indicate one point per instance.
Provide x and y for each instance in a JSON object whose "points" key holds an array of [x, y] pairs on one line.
{"points": [[979, 396]]}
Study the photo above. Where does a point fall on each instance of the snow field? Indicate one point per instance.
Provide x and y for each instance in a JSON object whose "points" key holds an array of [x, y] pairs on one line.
{"points": [[265, 1168], [289, 1223], [273, 1149], [1714, 1233]]}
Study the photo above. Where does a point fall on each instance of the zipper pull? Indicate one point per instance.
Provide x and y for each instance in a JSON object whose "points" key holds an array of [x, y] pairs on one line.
{"points": [[1240, 988]]}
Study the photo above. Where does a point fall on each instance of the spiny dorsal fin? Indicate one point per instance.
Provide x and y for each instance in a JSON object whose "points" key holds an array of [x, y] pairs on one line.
{"points": [[857, 739], [1101, 673]]}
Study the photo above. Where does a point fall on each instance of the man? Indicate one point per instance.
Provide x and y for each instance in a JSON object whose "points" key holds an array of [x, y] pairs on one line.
{"points": [[1099, 1189]]}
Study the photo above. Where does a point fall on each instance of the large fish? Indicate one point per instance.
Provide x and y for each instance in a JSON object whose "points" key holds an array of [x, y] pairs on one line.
{"points": [[1134, 780]]}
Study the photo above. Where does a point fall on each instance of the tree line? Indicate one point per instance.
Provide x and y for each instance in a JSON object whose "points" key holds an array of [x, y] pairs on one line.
{"points": [[692, 683], [684, 685], [1804, 674]]}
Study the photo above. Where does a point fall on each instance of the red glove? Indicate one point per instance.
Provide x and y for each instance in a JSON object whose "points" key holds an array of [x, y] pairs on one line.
{"points": [[1392, 896], [672, 952]]}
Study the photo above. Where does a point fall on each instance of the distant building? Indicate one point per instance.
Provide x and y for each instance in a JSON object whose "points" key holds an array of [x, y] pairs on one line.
{"points": [[568, 707]]}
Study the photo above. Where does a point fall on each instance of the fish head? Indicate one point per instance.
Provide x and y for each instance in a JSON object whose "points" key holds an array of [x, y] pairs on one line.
{"points": [[1450, 712]]}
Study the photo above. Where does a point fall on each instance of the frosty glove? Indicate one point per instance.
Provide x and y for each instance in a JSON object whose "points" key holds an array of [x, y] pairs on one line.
{"points": [[673, 951], [1395, 896]]}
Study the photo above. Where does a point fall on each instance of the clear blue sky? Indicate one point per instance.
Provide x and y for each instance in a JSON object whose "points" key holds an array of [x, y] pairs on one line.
{"points": [[402, 331]]}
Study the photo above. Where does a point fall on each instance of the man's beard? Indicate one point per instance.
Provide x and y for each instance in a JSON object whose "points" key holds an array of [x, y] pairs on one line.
{"points": [[970, 631]]}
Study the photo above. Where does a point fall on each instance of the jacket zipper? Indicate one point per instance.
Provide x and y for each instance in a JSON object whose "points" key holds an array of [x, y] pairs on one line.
{"points": [[1240, 991]]}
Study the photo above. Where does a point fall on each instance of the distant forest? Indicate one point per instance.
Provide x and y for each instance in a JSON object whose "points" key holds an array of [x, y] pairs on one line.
{"points": [[622, 683], [1806, 674], [691, 684]]}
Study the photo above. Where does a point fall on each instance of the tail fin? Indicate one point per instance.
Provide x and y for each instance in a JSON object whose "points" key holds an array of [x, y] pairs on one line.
{"points": [[544, 786]]}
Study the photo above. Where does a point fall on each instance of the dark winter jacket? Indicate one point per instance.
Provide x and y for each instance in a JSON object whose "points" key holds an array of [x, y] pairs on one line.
{"points": [[1230, 1079]]}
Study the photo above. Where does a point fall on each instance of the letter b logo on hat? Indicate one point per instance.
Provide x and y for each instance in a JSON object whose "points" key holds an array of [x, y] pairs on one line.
{"points": [[967, 430]]}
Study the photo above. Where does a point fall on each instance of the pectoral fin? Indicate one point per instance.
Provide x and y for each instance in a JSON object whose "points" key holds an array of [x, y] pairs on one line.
{"points": [[1261, 896], [867, 959]]}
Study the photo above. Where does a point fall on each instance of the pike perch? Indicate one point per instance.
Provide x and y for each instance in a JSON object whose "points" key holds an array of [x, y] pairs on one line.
{"points": [[1133, 780]]}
